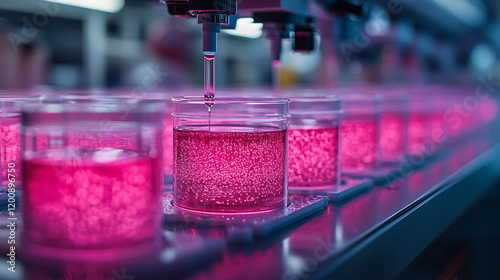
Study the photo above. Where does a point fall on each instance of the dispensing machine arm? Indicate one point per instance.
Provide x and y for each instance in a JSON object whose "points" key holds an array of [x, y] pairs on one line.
{"points": [[342, 7], [177, 8], [210, 15], [280, 18]]}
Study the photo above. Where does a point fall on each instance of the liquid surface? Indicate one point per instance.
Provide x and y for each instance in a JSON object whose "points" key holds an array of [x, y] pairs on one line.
{"points": [[96, 201], [359, 144], [229, 171], [313, 157]]}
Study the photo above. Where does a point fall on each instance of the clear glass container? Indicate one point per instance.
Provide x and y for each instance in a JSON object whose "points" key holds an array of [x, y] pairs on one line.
{"points": [[130, 97], [233, 159], [394, 126], [92, 179], [10, 153], [360, 132], [313, 152], [419, 124]]}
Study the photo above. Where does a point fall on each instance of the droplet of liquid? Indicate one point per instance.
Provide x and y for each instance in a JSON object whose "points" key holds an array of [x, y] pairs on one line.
{"points": [[209, 100], [209, 96]]}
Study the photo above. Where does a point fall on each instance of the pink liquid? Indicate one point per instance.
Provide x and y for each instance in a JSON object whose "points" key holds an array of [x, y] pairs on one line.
{"points": [[417, 133], [229, 171], [313, 157], [359, 144], [392, 136], [101, 200], [11, 148]]}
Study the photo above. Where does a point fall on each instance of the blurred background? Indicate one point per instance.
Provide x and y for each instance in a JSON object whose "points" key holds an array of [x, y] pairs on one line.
{"points": [[135, 43]]}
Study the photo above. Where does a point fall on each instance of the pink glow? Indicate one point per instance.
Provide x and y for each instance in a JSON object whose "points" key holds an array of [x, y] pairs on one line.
{"points": [[438, 173], [417, 132], [87, 271], [469, 152], [359, 144], [417, 182], [229, 171], [313, 157], [392, 136], [11, 147], [242, 265], [99, 201], [488, 110]]}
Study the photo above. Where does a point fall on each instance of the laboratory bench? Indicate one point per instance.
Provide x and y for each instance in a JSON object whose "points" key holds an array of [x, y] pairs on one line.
{"points": [[373, 235]]}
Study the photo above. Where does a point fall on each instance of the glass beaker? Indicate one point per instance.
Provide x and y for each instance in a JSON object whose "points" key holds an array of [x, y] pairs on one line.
{"points": [[93, 186], [419, 124], [10, 136], [394, 126], [232, 159], [130, 97], [313, 152], [359, 140]]}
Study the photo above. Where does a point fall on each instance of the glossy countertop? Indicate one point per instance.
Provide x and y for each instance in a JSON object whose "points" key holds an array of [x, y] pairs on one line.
{"points": [[375, 233]]}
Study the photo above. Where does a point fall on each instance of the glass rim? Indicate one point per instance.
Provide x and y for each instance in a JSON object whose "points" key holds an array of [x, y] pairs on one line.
{"points": [[77, 96], [14, 98], [55, 106], [329, 106], [85, 95], [389, 97], [225, 100], [368, 97], [319, 98], [233, 116]]}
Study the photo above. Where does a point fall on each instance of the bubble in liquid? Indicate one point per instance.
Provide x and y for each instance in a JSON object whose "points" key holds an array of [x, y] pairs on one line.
{"points": [[11, 148], [358, 144], [80, 202], [313, 157]]}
